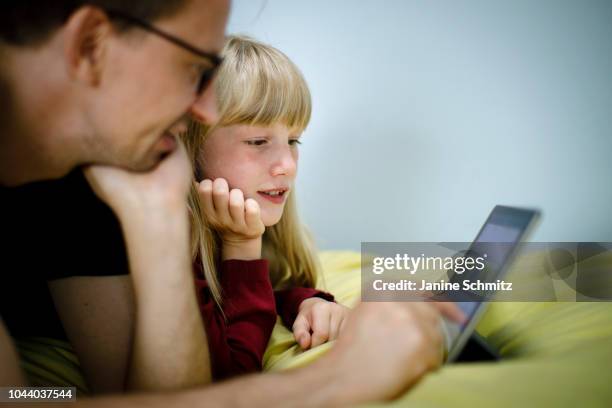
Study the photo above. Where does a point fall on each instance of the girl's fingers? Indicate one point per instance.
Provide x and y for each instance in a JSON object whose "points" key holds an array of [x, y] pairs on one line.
{"points": [[335, 320], [236, 207], [221, 200], [252, 214], [301, 331], [342, 325], [320, 324], [228, 210], [205, 192]]}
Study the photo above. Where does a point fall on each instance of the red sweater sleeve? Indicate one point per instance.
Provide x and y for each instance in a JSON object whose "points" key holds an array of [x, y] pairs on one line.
{"points": [[288, 302], [237, 341]]}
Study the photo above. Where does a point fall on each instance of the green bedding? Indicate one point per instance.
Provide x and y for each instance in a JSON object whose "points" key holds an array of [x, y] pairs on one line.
{"points": [[556, 354]]}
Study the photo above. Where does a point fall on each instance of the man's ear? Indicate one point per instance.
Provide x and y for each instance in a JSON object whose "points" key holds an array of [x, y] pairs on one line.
{"points": [[87, 34]]}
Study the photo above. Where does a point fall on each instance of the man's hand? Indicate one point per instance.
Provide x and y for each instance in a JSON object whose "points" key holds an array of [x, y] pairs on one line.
{"points": [[237, 220], [11, 374], [387, 347], [169, 350], [323, 318], [128, 191]]}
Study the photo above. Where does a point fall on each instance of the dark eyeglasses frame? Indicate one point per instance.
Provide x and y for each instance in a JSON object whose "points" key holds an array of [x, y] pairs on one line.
{"points": [[215, 60]]}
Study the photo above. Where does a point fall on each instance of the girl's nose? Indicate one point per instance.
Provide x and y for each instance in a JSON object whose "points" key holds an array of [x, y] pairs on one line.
{"points": [[285, 163]]}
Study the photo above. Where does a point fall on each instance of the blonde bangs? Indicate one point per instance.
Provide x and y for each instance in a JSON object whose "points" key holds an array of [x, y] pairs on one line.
{"points": [[258, 85]]}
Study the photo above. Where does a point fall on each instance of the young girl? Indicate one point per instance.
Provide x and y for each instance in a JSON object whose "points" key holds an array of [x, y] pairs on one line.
{"points": [[244, 206]]}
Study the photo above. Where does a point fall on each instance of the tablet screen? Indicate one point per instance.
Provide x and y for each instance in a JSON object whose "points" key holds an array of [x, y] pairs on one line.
{"points": [[497, 240]]}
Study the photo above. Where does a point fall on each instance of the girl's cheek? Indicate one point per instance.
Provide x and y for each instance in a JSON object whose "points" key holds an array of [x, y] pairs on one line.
{"points": [[244, 177]]}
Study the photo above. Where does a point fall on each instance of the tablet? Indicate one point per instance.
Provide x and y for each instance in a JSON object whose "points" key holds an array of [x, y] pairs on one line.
{"points": [[497, 241]]}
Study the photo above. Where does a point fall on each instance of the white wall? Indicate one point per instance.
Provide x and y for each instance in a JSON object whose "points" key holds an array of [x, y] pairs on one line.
{"points": [[427, 113]]}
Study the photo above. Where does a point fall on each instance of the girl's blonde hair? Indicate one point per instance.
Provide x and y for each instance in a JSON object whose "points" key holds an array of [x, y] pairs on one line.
{"points": [[256, 85]]}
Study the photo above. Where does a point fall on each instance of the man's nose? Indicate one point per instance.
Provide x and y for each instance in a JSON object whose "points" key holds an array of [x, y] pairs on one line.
{"points": [[204, 108]]}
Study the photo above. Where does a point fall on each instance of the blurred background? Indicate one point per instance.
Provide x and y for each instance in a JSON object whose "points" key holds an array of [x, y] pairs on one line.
{"points": [[428, 113]]}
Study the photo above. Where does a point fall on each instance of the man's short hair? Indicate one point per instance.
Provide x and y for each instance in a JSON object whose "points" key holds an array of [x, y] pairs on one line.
{"points": [[29, 22]]}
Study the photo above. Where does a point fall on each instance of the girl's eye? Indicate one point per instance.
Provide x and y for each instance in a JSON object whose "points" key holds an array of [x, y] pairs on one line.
{"points": [[294, 142], [258, 142]]}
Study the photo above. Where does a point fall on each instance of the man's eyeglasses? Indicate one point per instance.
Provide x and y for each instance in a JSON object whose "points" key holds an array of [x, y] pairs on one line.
{"points": [[215, 60]]}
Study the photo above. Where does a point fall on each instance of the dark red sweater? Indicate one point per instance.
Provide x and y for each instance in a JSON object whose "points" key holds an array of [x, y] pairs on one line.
{"points": [[237, 341]]}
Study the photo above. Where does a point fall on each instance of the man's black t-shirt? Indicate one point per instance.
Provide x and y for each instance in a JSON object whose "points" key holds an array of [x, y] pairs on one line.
{"points": [[52, 230]]}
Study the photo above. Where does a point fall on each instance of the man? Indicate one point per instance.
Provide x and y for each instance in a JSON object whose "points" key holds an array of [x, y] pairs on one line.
{"points": [[85, 86], [106, 85]]}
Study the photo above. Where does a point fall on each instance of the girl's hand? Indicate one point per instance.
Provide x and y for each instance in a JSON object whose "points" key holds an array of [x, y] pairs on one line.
{"points": [[324, 319], [237, 220]]}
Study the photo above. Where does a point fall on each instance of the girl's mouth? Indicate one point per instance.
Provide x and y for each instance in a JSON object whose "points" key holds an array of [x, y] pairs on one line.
{"points": [[276, 196]]}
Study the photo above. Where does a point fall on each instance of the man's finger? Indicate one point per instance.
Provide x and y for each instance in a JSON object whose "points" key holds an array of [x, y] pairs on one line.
{"points": [[450, 310]]}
